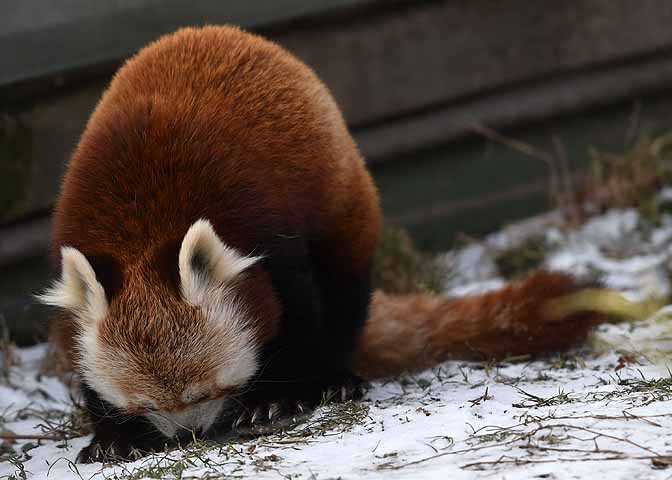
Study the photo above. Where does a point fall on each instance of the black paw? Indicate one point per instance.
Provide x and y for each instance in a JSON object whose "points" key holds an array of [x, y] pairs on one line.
{"points": [[269, 411], [93, 453], [263, 417], [102, 451]]}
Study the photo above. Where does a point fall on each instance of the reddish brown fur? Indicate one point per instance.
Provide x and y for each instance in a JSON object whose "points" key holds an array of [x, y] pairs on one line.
{"points": [[219, 124], [418, 331]]}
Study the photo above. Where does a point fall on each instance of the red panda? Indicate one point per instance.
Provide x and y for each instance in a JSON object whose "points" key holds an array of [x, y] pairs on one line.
{"points": [[216, 229]]}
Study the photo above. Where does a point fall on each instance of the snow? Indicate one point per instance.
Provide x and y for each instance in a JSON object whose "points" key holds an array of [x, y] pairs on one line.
{"points": [[603, 412], [639, 264]]}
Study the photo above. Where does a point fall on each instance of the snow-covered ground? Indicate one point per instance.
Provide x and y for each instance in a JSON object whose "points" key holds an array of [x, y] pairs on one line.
{"points": [[604, 412]]}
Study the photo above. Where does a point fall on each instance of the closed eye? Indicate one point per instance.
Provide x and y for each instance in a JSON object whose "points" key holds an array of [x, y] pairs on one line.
{"points": [[224, 392], [202, 398]]}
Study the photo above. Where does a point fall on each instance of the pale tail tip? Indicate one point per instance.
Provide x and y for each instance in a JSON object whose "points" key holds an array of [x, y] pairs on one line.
{"points": [[602, 301]]}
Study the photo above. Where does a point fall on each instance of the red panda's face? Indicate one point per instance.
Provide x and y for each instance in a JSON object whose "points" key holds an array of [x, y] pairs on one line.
{"points": [[178, 361], [174, 362]]}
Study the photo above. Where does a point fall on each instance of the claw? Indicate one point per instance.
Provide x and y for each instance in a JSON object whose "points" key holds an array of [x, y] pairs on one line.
{"points": [[299, 407], [273, 410], [256, 415], [345, 393], [240, 420]]}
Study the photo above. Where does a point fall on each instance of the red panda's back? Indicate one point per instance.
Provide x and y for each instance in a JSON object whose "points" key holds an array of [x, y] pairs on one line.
{"points": [[207, 123]]}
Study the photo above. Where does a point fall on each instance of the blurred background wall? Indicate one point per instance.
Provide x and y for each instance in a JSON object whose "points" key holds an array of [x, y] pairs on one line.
{"points": [[425, 86]]}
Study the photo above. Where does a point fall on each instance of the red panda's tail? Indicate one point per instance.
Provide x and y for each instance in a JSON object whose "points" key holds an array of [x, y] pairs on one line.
{"points": [[413, 332]]}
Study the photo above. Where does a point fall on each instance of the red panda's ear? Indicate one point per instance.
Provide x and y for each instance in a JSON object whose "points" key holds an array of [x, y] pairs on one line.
{"points": [[78, 290], [206, 263]]}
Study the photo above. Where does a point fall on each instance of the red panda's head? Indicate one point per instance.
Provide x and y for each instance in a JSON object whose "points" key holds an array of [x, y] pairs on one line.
{"points": [[177, 359]]}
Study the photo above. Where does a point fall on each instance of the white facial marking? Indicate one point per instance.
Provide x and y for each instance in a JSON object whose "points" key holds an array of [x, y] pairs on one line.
{"points": [[99, 367], [242, 365], [197, 418]]}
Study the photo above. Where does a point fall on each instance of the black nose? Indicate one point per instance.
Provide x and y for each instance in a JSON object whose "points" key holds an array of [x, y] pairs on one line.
{"points": [[186, 436]]}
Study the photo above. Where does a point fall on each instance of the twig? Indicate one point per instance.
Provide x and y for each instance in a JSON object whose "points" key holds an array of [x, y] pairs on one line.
{"points": [[572, 450], [12, 437], [605, 435], [517, 461], [522, 147]]}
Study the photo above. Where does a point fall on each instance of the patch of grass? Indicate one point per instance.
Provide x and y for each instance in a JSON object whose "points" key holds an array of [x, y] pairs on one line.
{"points": [[54, 425], [534, 401], [198, 454], [334, 419], [57, 424], [66, 425], [518, 262], [643, 391], [400, 268], [631, 178]]}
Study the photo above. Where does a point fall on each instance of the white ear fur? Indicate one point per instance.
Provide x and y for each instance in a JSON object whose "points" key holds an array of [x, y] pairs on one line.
{"points": [[219, 264], [78, 289]]}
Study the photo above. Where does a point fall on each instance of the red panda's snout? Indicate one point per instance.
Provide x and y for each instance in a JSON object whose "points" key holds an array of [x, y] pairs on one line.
{"points": [[174, 359]]}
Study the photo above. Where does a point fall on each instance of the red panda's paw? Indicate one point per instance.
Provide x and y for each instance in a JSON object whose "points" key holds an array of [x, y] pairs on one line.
{"points": [[128, 441], [293, 405], [264, 417], [107, 451], [93, 453]]}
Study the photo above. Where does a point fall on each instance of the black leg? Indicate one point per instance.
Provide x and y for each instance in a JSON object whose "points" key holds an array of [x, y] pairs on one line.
{"points": [[324, 305], [117, 435], [346, 298], [323, 314]]}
